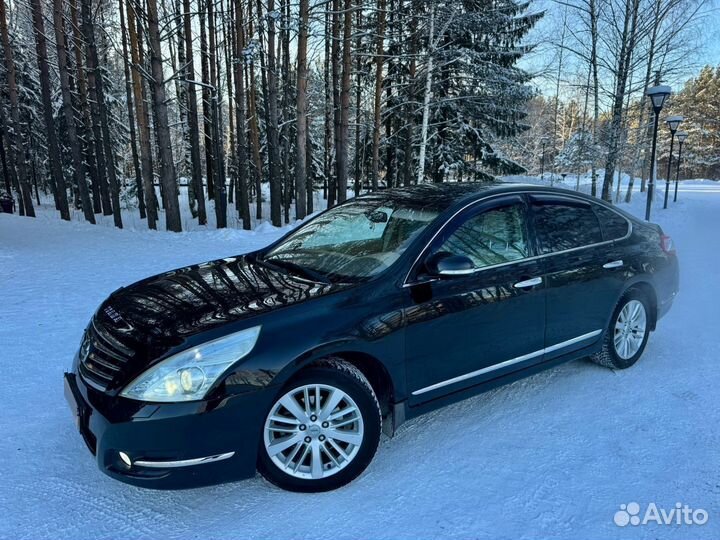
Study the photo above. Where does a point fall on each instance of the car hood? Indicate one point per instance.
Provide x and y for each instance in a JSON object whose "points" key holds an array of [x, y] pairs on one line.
{"points": [[164, 310]]}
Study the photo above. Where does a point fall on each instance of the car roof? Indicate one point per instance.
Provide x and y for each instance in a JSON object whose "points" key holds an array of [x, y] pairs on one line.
{"points": [[443, 196]]}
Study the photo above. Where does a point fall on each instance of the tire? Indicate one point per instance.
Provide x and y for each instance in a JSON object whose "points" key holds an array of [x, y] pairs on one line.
{"points": [[613, 354], [309, 448]]}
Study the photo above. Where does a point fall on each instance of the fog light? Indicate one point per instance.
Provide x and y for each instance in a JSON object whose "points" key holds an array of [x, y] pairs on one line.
{"points": [[126, 459]]}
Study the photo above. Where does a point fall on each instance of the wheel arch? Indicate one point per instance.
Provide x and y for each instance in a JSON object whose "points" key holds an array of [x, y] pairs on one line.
{"points": [[646, 288], [384, 384]]}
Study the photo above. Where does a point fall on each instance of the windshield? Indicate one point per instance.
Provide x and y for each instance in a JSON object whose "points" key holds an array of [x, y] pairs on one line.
{"points": [[351, 242]]}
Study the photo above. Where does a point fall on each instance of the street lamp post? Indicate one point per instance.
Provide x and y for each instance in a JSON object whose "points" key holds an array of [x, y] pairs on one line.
{"points": [[673, 122], [542, 162], [657, 95], [681, 139]]}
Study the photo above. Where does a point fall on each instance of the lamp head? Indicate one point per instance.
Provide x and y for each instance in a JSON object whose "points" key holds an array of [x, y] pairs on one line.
{"points": [[682, 136], [673, 122], [658, 95]]}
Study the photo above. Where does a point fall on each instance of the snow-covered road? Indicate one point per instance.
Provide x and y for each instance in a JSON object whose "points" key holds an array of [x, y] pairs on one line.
{"points": [[554, 455]]}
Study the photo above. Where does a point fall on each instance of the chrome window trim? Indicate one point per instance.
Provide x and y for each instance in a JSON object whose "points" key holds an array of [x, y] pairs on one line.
{"points": [[506, 363], [406, 283]]}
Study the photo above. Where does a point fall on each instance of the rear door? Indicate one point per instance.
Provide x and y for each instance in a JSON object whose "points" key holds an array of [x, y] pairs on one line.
{"points": [[583, 271]]}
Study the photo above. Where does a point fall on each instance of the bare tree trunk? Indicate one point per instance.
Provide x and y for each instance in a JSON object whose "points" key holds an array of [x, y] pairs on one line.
{"points": [[68, 112], [256, 169], [56, 168], [20, 163], [255, 142], [85, 124], [217, 133], [193, 125], [165, 154], [229, 52], [142, 117], [185, 168], [391, 120], [301, 107], [427, 98], [342, 150], [240, 120], [272, 127], [8, 161], [288, 179], [131, 116], [626, 49], [4, 158], [409, 116], [335, 60], [328, 106], [377, 119], [645, 124], [206, 104], [596, 89], [557, 98], [357, 175], [624, 129], [310, 177]]}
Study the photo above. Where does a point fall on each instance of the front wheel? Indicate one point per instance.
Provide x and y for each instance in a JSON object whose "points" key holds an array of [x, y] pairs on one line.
{"points": [[627, 335], [322, 431]]}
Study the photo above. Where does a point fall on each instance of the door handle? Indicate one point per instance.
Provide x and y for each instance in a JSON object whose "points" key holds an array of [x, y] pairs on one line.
{"points": [[528, 283], [613, 264]]}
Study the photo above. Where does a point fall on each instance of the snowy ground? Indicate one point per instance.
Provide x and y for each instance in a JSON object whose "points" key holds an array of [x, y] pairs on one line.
{"points": [[554, 455]]}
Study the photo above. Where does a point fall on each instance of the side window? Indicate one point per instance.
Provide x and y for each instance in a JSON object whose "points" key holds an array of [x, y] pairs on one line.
{"points": [[613, 225], [560, 226], [492, 237]]}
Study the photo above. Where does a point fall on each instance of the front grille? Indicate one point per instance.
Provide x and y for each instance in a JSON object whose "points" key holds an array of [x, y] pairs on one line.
{"points": [[103, 358]]}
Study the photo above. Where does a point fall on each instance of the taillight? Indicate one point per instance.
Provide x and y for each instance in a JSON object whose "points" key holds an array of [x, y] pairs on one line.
{"points": [[667, 244]]}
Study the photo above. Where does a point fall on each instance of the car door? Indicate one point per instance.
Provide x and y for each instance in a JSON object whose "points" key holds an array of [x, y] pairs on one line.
{"points": [[582, 271], [465, 329]]}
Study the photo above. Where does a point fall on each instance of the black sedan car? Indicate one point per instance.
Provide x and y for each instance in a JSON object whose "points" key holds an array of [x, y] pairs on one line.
{"points": [[293, 359]]}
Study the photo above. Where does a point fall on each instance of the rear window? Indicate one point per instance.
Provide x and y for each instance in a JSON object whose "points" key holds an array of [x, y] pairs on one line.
{"points": [[613, 225], [565, 225]]}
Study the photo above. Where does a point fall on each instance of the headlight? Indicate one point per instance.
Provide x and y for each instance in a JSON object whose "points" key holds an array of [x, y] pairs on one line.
{"points": [[188, 375]]}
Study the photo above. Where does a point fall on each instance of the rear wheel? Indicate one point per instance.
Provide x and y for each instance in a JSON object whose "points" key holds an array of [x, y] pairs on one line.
{"points": [[322, 431], [627, 335]]}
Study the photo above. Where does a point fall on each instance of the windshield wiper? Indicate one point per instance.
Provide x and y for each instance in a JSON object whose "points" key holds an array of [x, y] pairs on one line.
{"points": [[297, 269]]}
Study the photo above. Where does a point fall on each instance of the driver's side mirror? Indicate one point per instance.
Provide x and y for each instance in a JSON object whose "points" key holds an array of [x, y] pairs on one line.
{"points": [[447, 264]]}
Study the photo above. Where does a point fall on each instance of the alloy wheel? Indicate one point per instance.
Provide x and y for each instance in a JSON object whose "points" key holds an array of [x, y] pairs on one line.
{"points": [[313, 431], [630, 328]]}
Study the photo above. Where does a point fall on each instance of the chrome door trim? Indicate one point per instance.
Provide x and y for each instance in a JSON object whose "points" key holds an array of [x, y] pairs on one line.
{"points": [[183, 462], [535, 257], [507, 363], [463, 272], [572, 341]]}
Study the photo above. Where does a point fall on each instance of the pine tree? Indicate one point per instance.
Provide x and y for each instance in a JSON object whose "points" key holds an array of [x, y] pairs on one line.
{"points": [[68, 111], [477, 92], [56, 166], [697, 102]]}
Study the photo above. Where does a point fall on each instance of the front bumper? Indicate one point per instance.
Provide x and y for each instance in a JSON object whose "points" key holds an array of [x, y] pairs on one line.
{"points": [[170, 445]]}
